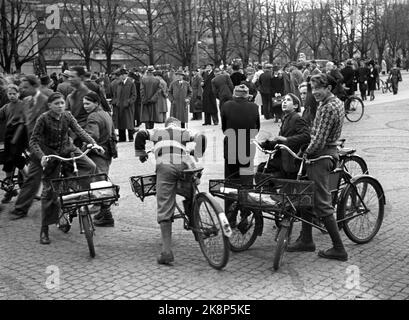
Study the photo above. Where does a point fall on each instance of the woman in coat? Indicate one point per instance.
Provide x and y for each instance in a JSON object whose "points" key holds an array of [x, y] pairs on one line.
{"points": [[372, 76], [162, 98], [180, 94], [197, 92]]}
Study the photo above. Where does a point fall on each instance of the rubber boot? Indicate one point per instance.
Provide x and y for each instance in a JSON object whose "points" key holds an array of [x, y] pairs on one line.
{"points": [[337, 252], [166, 256], [304, 243], [107, 220]]}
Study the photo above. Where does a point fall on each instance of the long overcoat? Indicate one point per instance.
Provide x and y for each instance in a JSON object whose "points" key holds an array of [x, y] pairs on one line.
{"points": [[150, 86], [179, 91], [125, 104], [197, 93], [209, 99]]}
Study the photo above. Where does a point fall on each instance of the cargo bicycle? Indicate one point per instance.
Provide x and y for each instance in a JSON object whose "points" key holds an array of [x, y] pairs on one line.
{"points": [[359, 205], [200, 213], [78, 193]]}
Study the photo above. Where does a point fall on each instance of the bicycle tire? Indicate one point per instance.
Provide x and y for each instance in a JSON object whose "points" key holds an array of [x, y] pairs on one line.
{"points": [[355, 106], [88, 230], [372, 196], [282, 243], [208, 229], [245, 232]]}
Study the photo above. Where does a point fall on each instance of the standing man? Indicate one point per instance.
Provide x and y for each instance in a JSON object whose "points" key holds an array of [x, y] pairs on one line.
{"points": [[36, 105], [265, 87], [349, 75], [136, 76], [125, 106], [325, 133], [209, 99], [395, 77], [237, 77], [222, 87], [240, 124], [150, 87], [180, 94], [65, 87]]}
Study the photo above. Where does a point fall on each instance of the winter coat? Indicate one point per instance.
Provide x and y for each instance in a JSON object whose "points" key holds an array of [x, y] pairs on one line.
{"points": [[149, 94], [222, 87], [209, 99], [179, 91], [197, 93], [125, 104]]}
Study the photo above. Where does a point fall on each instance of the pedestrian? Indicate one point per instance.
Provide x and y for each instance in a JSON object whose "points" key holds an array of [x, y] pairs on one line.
{"points": [[172, 158], [325, 133], [363, 73], [162, 98], [383, 67], [196, 106], [209, 98], [240, 123], [50, 136], [44, 85], [125, 97], [308, 102], [150, 87], [250, 72], [372, 75], [237, 77], [265, 87], [277, 93], [136, 76], [257, 74], [222, 87], [36, 105], [394, 77], [349, 76], [91, 83], [101, 128], [65, 87], [333, 71], [15, 138], [180, 94]]}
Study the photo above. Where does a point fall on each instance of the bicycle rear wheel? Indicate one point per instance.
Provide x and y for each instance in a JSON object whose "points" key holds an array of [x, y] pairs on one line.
{"points": [[363, 207], [209, 233], [87, 227], [246, 225], [282, 243], [354, 109]]}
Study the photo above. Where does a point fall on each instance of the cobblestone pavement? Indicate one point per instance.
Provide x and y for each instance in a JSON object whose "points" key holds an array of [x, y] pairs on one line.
{"points": [[125, 266]]}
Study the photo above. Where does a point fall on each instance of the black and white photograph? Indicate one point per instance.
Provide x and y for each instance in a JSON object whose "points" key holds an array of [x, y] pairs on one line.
{"points": [[204, 157]]}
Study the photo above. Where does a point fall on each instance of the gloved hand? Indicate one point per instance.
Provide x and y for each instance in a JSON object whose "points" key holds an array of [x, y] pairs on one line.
{"points": [[143, 158]]}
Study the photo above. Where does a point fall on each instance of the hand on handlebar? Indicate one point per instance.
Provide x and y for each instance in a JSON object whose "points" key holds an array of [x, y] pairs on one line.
{"points": [[96, 147], [44, 160]]}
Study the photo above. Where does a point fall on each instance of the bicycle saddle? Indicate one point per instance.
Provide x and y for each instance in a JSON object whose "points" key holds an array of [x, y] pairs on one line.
{"points": [[346, 151]]}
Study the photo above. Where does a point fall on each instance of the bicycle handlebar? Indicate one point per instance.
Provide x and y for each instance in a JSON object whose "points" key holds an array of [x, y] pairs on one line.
{"points": [[53, 156]]}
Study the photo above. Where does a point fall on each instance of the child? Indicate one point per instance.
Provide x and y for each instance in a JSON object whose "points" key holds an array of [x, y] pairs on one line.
{"points": [[15, 140]]}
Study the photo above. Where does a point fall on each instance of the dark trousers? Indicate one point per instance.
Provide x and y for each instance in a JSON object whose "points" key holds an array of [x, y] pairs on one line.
{"points": [[237, 172], [267, 103], [211, 116], [122, 134], [149, 124], [50, 204], [30, 187]]}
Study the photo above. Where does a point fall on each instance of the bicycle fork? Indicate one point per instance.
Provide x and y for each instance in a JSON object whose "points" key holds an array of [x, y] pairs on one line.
{"points": [[84, 212]]}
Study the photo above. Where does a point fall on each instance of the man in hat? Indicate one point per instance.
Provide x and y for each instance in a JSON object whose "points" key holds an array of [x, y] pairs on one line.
{"points": [[125, 96], [349, 75], [65, 87], [209, 99], [150, 86], [240, 123], [180, 94], [265, 87], [222, 87]]}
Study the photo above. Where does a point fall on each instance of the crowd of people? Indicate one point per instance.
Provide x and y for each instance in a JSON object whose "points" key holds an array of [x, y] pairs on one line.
{"points": [[48, 115]]}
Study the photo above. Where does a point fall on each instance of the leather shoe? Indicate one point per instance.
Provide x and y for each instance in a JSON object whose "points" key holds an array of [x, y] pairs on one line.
{"points": [[16, 214], [300, 246], [166, 258], [44, 239], [336, 254]]}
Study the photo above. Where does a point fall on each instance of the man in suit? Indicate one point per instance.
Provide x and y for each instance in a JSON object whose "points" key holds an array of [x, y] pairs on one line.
{"points": [[125, 97], [222, 87], [265, 88], [209, 99], [240, 124], [65, 87], [36, 105]]}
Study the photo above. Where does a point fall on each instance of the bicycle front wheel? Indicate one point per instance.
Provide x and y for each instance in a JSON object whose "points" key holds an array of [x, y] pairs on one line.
{"points": [[281, 247], [363, 208], [209, 233], [354, 109], [246, 225], [87, 227]]}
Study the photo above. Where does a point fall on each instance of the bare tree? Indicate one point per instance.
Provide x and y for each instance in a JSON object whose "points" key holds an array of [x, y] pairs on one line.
{"points": [[292, 41], [380, 27], [247, 12], [334, 31], [79, 26], [18, 34], [366, 28], [316, 16], [220, 23]]}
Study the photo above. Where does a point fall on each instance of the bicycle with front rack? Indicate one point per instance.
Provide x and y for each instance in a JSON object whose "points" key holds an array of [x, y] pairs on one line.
{"points": [[76, 193], [201, 214], [359, 205]]}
